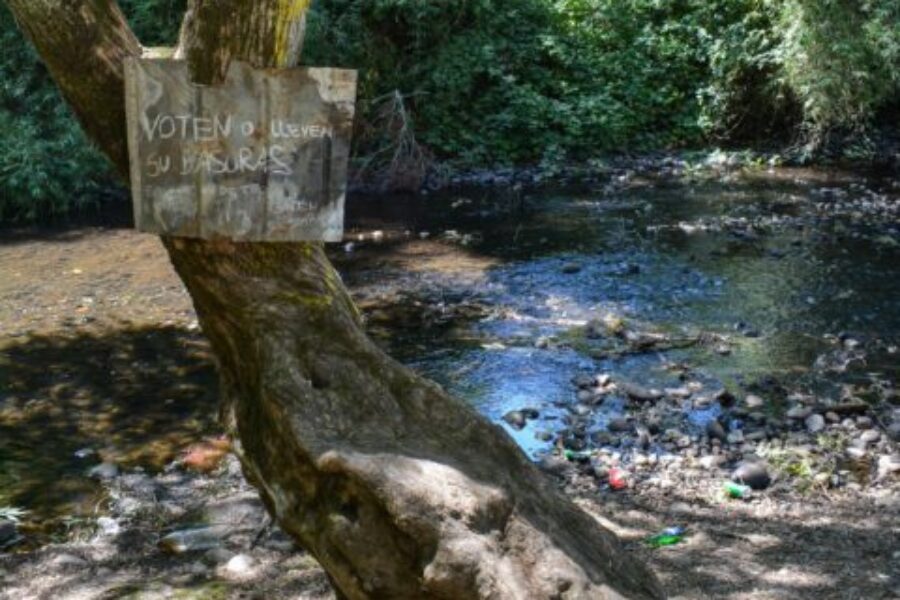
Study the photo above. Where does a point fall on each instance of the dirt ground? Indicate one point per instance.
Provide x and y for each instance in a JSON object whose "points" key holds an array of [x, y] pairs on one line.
{"points": [[82, 288]]}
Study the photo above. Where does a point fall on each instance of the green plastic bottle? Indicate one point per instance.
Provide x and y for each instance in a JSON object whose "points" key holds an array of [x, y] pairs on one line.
{"points": [[667, 537], [574, 455], [736, 490]]}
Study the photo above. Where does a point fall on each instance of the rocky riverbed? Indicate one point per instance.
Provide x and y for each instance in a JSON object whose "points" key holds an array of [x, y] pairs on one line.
{"points": [[646, 341]]}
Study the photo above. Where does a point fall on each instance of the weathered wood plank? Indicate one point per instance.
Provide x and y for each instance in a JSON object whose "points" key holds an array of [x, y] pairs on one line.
{"points": [[261, 157]]}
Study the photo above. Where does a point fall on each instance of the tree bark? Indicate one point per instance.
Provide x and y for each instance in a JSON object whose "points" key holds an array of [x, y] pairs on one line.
{"points": [[398, 489]]}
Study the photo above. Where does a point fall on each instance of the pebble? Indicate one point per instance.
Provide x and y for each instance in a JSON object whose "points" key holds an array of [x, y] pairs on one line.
{"points": [[515, 419], [888, 464], [619, 424], [179, 542], [68, 561], [755, 436], [864, 422], [798, 412], [753, 401], [104, 471], [240, 564], [554, 465], [755, 474], [679, 393], [581, 410], [869, 436], [855, 453], [735, 437], [108, 526], [815, 423], [638, 392]]}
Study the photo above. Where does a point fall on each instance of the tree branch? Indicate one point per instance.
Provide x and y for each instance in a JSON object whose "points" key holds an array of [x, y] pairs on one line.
{"points": [[264, 33]]}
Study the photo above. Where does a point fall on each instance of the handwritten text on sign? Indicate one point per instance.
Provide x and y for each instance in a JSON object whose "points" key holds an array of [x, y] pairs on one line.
{"points": [[261, 157]]}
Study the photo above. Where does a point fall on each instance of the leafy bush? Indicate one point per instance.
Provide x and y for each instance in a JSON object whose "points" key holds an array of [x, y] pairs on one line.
{"points": [[500, 82], [47, 165], [842, 60]]}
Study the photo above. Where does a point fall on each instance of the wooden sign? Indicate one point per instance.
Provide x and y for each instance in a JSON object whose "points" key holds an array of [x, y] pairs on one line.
{"points": [[261, 157]]}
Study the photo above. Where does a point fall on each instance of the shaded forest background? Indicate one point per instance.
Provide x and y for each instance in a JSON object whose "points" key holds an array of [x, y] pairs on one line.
{"points": [[485, 83]]}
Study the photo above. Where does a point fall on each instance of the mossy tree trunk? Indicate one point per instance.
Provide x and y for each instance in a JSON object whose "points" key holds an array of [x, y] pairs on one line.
{"points": [[398, 489]]}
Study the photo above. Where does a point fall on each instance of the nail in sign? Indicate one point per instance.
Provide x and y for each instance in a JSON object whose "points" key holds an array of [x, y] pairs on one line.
{"points": [[261, 157]]}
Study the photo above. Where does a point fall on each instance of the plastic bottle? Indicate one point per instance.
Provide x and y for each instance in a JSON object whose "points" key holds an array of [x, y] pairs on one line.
{"points": [[667, 537], [736, 490], [618, 479], [574, 455]]}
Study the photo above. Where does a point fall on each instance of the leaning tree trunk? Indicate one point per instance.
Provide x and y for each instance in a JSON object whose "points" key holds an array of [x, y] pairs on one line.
{"points": [[399, 490]]}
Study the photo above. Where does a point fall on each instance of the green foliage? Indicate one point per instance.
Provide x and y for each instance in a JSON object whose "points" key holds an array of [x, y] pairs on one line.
{"points": [[842, 59], [499, 82], [47, 166]]}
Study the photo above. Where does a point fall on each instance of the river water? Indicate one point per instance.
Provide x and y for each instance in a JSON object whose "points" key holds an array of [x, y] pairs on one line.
{"points": [[796, 274]]}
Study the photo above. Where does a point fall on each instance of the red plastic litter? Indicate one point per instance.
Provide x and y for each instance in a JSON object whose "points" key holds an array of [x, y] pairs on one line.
{"points": [[618, 479]]}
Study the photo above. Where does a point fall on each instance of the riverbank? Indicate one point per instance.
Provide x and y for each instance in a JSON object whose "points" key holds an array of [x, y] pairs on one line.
{"points": [[623, 316]]}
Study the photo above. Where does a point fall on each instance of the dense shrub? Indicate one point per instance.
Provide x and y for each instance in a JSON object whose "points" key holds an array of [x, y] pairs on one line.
{"points": [[491, 82], [47, 166], [842, 60]]}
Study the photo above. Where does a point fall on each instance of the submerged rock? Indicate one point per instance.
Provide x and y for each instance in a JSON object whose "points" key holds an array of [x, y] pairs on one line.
{"points": [[188, 540], [638, 392], [104, 471], [619, 424], [517, 419]]}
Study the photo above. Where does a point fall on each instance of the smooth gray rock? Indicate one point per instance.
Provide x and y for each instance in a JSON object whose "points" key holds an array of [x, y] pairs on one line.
{"points": [[753, 401], [752, 473], [638, 392], [240, 565], [815, 423], [515, 419], [868, 437], [798, 412], [619, 424], [104, 471]]}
